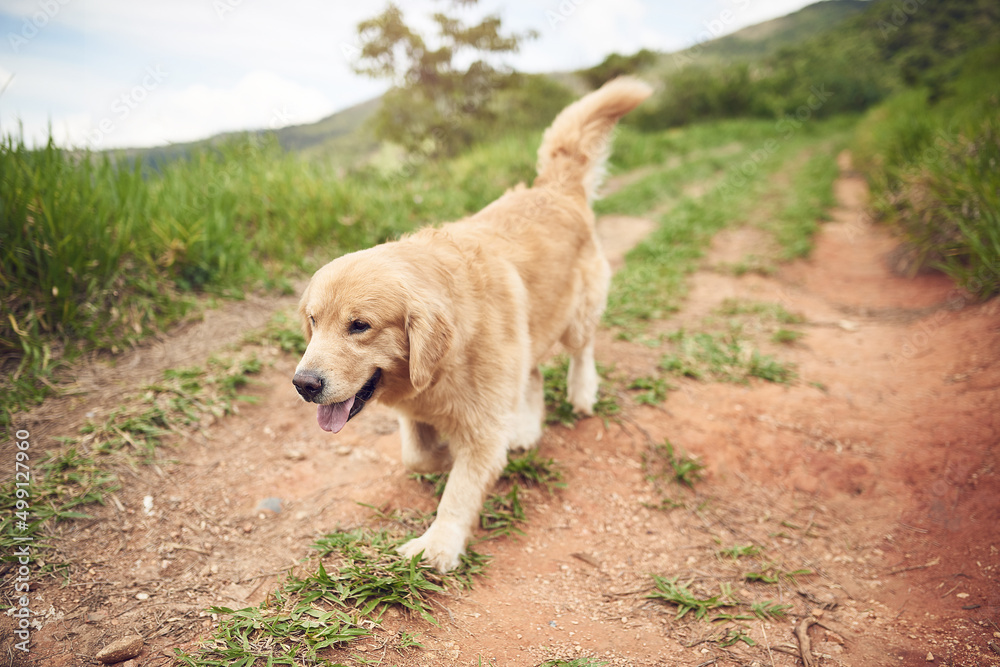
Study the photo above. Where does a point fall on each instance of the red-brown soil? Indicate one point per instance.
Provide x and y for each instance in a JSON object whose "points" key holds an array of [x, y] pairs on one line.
{"points": [[877, 470]]}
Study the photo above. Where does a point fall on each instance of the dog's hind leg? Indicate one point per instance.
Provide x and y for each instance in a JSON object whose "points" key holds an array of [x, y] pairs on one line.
{"points": [[526, 423], [423, 450], [582, 381]]}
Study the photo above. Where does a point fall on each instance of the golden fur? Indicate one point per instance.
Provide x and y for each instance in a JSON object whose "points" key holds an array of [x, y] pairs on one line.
{"points": [[448, 325]]}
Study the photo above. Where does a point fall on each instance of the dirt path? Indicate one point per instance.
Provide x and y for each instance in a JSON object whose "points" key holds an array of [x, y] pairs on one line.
{"points": [[876, 471]]}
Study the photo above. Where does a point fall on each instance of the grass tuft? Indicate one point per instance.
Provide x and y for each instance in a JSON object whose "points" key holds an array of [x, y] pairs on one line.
{"points": [[740, 551], [557, 406], [649, 390], [673, 592], [725, 357], [371, 575], [663, 461]]}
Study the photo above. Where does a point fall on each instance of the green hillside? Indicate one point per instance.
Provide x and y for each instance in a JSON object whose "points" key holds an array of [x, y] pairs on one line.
{"points": [[339, 138], [768, 37]]}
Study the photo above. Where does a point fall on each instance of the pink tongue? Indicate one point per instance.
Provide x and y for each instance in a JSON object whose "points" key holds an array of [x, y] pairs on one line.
{"points": [[333, 417]]}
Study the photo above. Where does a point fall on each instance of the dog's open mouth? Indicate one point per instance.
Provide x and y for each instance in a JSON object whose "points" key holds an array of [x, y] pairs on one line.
{"points": [[332, 417]]}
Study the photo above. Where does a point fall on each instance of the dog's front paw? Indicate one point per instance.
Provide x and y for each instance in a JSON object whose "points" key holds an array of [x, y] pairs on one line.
{"points": [[442, 546]]}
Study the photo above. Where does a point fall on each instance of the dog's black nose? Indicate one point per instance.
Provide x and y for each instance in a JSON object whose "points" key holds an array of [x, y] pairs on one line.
{"points": [[309, 385]]}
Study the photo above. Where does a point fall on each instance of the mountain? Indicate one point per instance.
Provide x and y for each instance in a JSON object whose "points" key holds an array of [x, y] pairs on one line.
{"points": [[769, 37], [339, 138]]}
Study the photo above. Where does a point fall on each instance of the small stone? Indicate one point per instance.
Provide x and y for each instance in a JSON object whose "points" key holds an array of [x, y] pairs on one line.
{"points": [[142, 596], [930, 657], [344, 450], [120, 650], [294, 455], [271, 505]]}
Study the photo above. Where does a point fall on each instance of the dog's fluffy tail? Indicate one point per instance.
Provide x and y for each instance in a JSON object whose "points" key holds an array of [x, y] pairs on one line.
{"points": [[574, 149]]}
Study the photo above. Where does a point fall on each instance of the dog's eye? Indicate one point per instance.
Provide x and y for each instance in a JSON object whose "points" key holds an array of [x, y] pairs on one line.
{"points": [[357, 326]]}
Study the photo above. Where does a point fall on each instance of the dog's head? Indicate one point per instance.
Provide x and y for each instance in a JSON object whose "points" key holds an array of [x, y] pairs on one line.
{"points": [[374, 330]]}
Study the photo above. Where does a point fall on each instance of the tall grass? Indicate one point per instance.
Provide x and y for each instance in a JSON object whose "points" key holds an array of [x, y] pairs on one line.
{"points": [[933, 169], [96, 253]]}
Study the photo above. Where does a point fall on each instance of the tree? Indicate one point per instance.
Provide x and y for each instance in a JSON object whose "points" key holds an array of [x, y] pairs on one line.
{"points": [[435, 105]]}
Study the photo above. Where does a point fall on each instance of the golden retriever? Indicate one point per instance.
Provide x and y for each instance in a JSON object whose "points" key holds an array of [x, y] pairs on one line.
{"points": [[448, 325]]}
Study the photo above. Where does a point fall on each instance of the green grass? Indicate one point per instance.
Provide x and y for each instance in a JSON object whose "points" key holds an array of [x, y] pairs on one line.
{"points": [[502, 513], [278, 632], [653, 281], [665, 461], [724, 357], [371, 575], [355, 576], [930, 155], [671, 591], [531, 470], [740, 551], [557, 406], [649, 390], [772, 573], [728, 609], [766, 312], [786, 336], [283, 331], [811, 197]]}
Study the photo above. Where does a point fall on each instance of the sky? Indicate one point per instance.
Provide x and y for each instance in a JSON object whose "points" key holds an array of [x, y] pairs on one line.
{"points": [[138, 73]]}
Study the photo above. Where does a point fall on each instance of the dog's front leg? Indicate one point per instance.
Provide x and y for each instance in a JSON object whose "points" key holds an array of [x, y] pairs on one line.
{"points": [[476, 468], [422, 448]]}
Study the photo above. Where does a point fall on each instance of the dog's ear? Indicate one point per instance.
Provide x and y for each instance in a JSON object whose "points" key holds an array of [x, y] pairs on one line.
{"points": [[430, 334], [303, 318]]}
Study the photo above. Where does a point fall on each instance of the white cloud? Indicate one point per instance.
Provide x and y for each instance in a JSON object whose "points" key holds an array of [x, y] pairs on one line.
{"points": [[606, 27], [259, 100]]}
